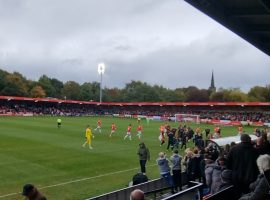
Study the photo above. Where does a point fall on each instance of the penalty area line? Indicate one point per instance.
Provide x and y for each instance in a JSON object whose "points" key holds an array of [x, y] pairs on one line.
{"points": [[76, 181]]}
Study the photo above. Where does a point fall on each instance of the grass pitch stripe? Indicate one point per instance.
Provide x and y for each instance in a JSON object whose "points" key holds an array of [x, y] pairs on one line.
{"points": [[78, 180]]}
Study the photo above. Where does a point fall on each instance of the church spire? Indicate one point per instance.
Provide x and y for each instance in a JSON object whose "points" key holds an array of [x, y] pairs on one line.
{"points": [[212, 87]]}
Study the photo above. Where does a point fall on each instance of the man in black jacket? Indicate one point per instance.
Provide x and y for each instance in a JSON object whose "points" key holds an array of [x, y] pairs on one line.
{"points": [[242, 161]]}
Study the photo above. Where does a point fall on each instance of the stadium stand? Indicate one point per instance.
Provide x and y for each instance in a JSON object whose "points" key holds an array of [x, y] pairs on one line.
{"points": [[235, 112]]}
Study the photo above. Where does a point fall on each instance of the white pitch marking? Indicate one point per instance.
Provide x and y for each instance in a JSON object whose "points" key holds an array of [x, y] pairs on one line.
{"points": [[75, 181]]}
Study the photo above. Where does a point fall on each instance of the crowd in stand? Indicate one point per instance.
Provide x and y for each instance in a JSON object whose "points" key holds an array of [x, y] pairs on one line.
{"points": [[168, 111], [245, 165]]}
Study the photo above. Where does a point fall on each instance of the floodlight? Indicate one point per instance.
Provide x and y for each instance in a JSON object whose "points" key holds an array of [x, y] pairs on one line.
{"points": [[101, 68]]}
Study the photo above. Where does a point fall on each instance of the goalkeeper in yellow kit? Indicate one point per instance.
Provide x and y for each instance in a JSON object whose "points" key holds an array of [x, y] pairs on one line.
{"points": [[88, 135]]}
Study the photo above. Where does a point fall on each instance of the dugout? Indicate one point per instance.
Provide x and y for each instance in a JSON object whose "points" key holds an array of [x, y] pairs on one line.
{"points": [[219, 144]]}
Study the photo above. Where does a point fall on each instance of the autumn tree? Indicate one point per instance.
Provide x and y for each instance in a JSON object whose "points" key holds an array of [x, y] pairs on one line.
{"points": [[37, 92], [113, 95], [234, 95], [15, 85], [258, 93]]}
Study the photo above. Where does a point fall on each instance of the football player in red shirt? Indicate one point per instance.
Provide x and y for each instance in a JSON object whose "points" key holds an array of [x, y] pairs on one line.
{"points": [[99, 124], [128, 132], [139, 132], [113, 129]]}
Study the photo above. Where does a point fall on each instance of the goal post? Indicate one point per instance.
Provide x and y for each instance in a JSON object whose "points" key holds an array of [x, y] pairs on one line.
{"points": [[187, 118]]}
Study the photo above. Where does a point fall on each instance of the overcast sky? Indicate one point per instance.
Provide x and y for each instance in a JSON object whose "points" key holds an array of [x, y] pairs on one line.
{"points": [[164, 42]]}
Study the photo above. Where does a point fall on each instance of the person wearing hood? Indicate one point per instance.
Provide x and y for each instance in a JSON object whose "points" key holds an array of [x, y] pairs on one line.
{"points": [[213, 174], [165, 170], [176, 170], [32, 193], [144, 155], [226, 179]]}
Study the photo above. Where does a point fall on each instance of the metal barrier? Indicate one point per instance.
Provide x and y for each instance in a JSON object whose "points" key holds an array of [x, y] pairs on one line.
{"points": [[193, 192], [227, 193], [151, 187], [124, 193]]}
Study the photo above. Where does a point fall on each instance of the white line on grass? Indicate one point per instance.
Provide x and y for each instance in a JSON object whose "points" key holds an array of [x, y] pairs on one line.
{"points": [[78, 180]]}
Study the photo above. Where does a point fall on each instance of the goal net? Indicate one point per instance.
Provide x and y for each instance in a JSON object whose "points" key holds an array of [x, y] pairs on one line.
{"points": [[187, 118]]}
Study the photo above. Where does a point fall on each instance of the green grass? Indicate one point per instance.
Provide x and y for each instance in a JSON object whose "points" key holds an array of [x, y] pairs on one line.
{"points": [[33, 150]]}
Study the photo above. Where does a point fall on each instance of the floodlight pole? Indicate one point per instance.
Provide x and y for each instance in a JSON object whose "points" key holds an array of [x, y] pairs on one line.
{"points": [[101, 70], [100, 89]]}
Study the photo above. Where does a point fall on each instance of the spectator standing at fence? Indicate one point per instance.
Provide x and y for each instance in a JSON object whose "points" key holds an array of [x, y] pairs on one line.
{"points": [[226, 179], [165, 170], [32, 193], [196, 159], [242, 161], [263, 145], [144, 155], [176, 170], [260, 188], [137, 194], [190, 164], [213, 174]]}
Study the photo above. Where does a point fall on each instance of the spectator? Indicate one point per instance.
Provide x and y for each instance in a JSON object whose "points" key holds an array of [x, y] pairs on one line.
{"points": [[171, 140], [196, 164], [263, 145], [226, 150], [138, 179], [183, 138], [232, 145], [32, 193], [176, 170], [242, 162], [207, 132], [213, 175], [260, 188], [199, 142], [190, 163], [164, 169], [137, 195], [204, 158], [144, 155], [190, 133], [226, 179]]}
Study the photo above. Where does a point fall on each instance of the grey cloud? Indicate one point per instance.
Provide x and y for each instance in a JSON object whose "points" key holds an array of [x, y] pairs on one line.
{"points": [[160, 42]]}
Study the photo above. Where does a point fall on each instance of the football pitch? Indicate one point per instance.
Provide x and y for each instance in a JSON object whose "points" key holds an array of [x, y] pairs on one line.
{"points": [[33, 150]]}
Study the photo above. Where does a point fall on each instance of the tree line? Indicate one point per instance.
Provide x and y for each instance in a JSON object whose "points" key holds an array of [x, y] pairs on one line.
{"points": [[15, 84]]}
